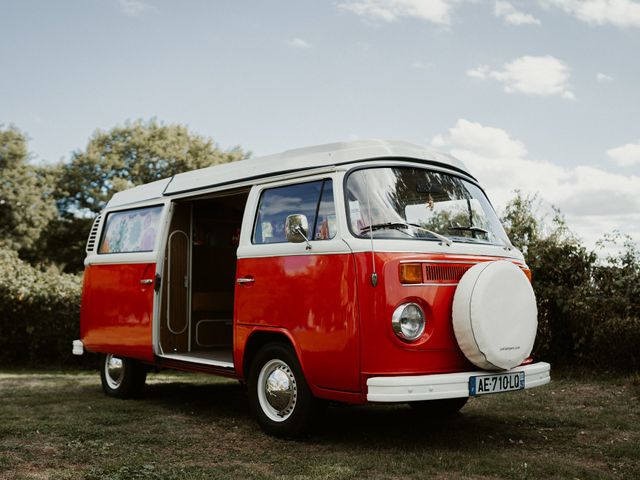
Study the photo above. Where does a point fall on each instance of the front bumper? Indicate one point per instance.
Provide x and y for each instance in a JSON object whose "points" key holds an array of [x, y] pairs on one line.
{"points": [[447, 385]]}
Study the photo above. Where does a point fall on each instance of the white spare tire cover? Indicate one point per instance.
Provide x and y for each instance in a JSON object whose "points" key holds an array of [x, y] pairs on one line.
{"points": [[495, 317]]}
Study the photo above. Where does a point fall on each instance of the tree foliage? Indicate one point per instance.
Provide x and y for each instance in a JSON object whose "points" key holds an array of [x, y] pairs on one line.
{"points": [[520, 222], [26, 202], [129, 155], [588, 308]]}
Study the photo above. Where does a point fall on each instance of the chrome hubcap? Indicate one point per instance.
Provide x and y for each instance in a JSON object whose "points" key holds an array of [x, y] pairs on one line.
{"points": [[277, 390], [114, 371]]}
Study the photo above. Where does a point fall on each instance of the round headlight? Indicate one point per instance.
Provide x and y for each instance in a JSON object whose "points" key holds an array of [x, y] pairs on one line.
{"points": [[408, 322]]}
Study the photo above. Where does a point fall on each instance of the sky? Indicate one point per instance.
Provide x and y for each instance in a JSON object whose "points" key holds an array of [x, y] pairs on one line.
{"points": [[542, 96]]}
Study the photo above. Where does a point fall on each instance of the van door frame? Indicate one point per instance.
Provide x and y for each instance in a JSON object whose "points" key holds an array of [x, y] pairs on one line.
{"points": [[162, 246], [160, 269]]}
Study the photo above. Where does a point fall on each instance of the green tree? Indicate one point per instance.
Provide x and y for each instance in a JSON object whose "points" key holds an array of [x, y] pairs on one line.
{"points": [[26, 202], [129, 155], [562, 270], [132, 154], [520, 220]]}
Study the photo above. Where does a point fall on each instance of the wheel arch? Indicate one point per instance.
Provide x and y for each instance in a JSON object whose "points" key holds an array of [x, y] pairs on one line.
{"points": [[261, 337]]}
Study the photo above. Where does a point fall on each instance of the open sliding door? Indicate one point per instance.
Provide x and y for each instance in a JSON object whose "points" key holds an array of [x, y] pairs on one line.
{"points": [[175, 316]]}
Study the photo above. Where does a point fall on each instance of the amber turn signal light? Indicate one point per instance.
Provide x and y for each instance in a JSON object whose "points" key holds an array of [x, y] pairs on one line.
{"points": [[410, 273], [527, 272]]}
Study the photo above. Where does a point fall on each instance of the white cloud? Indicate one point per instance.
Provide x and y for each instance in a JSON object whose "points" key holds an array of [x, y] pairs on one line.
{"points": [[299, 43], [482, 72], [485, 141], [603, 78], [594, 201], [434, 11], [133, 8], [543, 76], [513, 16], [619, 13], [626, 155]]}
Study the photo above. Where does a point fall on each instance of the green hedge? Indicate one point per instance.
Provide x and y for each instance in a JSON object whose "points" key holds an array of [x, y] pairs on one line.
{"points": [[588, 307], [39, 314]]}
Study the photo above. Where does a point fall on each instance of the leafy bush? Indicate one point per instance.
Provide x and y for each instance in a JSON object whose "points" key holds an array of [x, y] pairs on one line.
{"points": [[39, 313], [588, 305], [615, 308]]}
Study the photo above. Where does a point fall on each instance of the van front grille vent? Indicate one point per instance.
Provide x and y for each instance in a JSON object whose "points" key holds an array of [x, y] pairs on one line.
{"points": [[93, 235], [444, 273]]}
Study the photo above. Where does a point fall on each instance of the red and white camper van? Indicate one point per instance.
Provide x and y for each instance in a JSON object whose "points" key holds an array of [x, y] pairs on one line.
{"points": [[357, 272]]}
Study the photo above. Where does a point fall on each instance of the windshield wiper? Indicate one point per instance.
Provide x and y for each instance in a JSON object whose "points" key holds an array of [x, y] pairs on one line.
{"points": [[470, 228], [439, 236], [508, 245], [400, 226], [383, 226]]}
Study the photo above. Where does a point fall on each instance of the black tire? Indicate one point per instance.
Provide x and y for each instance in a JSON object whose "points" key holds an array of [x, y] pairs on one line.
{"points": [[124, 382], [446, 407], [297, 408]]}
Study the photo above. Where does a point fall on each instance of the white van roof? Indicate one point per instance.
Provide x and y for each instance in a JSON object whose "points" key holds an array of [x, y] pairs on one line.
{"points": [[290, 161]]}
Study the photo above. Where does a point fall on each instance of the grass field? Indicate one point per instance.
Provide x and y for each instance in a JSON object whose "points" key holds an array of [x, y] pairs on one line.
{"points": [[61, 425]]}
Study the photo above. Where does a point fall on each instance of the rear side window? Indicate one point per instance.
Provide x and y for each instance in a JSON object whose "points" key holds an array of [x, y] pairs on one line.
{"points": [[130, 231], [312, 199]]}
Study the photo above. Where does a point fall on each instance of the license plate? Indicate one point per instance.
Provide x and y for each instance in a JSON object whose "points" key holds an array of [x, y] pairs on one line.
{"points": [[502, 382]]}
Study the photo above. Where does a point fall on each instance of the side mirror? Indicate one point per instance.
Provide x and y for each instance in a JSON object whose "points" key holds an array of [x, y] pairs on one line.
{"points": [[296, 229]]}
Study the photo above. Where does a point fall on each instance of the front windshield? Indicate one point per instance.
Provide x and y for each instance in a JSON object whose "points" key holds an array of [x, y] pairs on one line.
{"points": [[414, 203]]}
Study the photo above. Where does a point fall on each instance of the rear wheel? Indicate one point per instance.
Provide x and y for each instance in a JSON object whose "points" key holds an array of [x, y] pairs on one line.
{"points": [[122, 377], [439, 408], [278, 392]]}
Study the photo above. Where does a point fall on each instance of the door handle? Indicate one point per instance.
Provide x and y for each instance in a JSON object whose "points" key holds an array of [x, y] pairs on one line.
{"points": [[146, 281], [245, 280]]}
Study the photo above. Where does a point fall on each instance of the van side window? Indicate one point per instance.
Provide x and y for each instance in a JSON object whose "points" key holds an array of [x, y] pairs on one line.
{"points": [[312, 199], [130, 231]]}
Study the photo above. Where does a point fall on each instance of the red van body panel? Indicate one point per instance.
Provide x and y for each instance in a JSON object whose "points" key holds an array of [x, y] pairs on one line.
{"points": [[383, 353], [338, 322], [116, 312], [244, 332], [314, 299]]}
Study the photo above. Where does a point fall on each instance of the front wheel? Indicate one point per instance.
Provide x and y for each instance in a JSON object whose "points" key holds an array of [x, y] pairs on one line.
{"points": [[278, 392], [122, 377]]}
